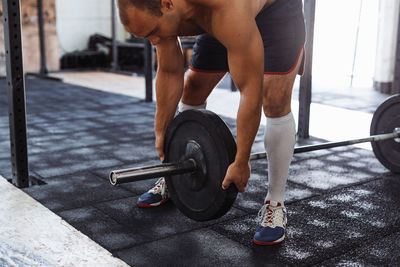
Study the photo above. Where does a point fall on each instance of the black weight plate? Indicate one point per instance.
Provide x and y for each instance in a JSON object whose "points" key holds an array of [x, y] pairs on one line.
{"points": [[386, 118], [203, 200]]}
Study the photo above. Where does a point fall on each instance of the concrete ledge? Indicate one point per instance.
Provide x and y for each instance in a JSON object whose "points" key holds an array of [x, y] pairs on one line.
{"points": [[31, 235]]}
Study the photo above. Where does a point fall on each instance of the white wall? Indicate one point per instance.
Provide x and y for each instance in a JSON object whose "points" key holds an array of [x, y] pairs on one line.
{"points": [[387, 37], [336, 24], [78, 19]]}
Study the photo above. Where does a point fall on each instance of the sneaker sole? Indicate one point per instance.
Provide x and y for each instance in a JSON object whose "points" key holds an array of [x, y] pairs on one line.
{"points": [[270, 243], [145, 205]]}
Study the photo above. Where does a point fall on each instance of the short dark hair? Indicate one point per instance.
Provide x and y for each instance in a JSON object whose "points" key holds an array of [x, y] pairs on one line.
{"points": [[153, 6]]}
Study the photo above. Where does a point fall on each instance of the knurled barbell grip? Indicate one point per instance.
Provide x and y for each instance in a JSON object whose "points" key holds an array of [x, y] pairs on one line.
{"points": [[145, 173]]}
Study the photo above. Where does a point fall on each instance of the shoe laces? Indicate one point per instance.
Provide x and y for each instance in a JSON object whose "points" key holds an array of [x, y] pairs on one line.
{"points": [[272, 216], [160, 187]]}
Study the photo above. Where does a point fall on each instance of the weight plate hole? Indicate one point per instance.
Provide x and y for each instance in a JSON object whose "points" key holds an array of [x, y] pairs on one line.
{"points": [[397, 130]]}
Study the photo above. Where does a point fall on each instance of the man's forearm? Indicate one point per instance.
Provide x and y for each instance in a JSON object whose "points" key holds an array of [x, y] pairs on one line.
{"points": [[169, 87], [248, 122]]}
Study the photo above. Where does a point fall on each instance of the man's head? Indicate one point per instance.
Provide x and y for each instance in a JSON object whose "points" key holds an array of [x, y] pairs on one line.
{"points": [[152, 6], [155, 20]]}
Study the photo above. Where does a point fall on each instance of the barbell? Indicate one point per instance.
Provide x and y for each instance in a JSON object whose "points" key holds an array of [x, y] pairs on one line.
{"points": [[199, 147]]}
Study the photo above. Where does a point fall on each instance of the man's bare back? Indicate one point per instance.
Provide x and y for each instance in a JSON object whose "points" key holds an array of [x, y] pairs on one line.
{"points": [[199, 16], [201, 19]]}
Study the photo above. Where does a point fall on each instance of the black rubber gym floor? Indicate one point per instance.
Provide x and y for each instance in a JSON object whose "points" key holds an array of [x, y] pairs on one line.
{"points": [[343, 205]]}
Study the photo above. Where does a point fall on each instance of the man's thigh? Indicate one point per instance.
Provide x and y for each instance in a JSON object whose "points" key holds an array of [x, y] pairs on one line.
{"points": [[277, 91], [282, 29]]}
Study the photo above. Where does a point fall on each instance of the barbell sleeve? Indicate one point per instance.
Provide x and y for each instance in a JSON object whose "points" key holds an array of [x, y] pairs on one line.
{"points": [[144, 173], [302, 149]]}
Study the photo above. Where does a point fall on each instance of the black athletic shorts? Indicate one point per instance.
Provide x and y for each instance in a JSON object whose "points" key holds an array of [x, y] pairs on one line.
{"points": [[283, 32]]}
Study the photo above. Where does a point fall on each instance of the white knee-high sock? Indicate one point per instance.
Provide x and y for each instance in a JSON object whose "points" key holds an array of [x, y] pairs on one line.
{"points": [[183, 107], [279, 141]]}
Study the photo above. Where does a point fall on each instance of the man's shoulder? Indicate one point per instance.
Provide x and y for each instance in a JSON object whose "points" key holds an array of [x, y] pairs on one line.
{"points": [[209, 3], [222, 4]]}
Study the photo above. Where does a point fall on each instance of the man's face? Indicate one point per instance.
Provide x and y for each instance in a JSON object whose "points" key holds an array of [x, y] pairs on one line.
{"points": [[146, 25]]}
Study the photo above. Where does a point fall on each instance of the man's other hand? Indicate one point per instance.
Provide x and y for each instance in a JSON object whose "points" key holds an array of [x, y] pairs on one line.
{"points": [[160, 145], [238, 174]]}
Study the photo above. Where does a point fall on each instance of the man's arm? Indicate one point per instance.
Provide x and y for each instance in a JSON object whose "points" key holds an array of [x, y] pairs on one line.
{"points": [[169, 87], [236, 28]]}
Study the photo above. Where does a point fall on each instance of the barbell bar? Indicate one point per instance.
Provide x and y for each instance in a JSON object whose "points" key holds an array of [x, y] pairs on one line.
{"points": [[189, 165]]}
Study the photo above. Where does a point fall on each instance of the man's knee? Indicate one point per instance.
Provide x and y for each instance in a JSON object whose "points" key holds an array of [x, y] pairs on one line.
{"points": [[277, 94], [198, 86], [277, 102], [190, 84], [191, 88], [276, 110]]}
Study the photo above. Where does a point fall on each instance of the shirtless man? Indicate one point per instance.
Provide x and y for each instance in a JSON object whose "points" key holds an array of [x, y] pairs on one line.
{"points": [[261, 43]]}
